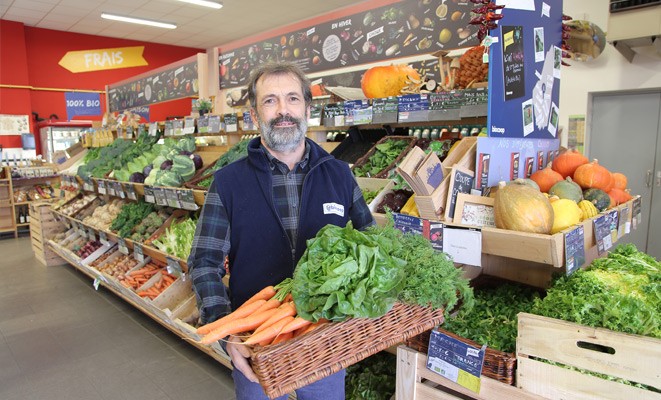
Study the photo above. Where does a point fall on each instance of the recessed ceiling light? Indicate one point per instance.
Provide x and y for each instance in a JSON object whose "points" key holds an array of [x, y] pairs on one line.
{"points": [[140, 21], [205, 3]]}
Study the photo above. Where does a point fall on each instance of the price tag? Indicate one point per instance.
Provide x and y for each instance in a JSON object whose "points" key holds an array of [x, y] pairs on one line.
{"points": [[173, 266], [612, 224], [81, 229], [624, 227], [91, 233], [172, 198], [121, 243], [101, 187], [119, 191], [103, 238], [602, 234], [189, 126], [455, 360], [187, 200], [203, 124], [130, 192], [231, 122], [88, 186], [129, 132], [159, 195], [574, 250], [636, 213], [96, 283], [169, 131], [149, 194], [153, 129], [138, 254], [178, 127], [110, 188], [214, 124], [62, 193]]}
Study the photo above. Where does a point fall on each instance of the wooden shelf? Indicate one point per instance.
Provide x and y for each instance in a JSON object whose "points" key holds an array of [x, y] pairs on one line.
{"points": [[23, 225], [24, 203]]}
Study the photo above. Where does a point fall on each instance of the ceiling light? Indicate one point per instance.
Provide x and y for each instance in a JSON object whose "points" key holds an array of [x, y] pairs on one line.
{"points": [[205, 3], [141, 21]]}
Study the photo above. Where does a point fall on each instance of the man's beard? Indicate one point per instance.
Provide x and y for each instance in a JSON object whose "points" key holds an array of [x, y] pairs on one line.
{"points": [[283, 139]]}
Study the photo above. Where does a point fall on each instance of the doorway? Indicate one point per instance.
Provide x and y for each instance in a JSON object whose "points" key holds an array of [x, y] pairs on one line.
{"points": [[624, 131]]}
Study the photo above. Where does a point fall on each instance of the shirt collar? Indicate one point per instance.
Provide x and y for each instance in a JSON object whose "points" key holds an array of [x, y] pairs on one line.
{"points": [[275, 163]]}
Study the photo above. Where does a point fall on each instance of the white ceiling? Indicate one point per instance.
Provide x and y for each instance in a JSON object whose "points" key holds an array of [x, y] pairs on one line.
{"points": [[197, 27]]}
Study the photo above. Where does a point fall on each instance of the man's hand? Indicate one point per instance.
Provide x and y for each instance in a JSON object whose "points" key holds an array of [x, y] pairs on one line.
{"points": [[240, 354]]}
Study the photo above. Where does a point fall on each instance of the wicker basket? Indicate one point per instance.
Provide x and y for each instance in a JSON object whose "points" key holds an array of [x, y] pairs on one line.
{"points": [[290, 365], [384, 173], [497, 364]]}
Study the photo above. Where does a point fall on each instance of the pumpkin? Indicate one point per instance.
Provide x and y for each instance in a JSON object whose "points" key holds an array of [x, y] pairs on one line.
{"points": [[588, 209], [546, 178], [525, 181], [567, 162], [385, 81], [567, 189], [593, 175], [519, 207], [619, 180], [565, 214], [598, 197], [618, 196]]}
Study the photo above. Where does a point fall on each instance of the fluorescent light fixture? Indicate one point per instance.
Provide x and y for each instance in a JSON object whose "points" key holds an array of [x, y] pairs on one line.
{"points": [[140, 21], [205, 3]]}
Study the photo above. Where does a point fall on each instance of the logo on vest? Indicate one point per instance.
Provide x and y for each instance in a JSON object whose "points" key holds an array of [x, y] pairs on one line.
{"points": [[334, 208]]}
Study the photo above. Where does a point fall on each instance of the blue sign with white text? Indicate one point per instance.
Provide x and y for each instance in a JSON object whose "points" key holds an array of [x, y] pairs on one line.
{"points": [[82, 104]]}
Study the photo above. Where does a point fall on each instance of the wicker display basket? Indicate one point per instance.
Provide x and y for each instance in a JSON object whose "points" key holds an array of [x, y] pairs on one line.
{"points": [[290, 365], [497, 364], [384, 172]]}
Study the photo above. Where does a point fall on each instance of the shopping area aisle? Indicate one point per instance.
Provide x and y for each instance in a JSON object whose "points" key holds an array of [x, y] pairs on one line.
{"points": [[61, 339]]}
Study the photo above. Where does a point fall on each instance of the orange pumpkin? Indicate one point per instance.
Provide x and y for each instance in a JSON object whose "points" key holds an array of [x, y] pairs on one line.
{"points": [[619, 180], [567, 162], [593, 175], [386, 81], [546, 178], [618, 196]]}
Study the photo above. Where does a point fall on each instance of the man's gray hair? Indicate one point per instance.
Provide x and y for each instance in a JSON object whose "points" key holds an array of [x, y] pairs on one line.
{"points": [[278, 68]]}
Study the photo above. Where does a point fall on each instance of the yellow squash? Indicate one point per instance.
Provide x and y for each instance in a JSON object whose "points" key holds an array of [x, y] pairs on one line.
{"points": [[565, 214]]}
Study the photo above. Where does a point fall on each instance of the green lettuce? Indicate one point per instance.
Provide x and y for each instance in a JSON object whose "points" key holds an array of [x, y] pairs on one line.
{"points": [[345, 273]]}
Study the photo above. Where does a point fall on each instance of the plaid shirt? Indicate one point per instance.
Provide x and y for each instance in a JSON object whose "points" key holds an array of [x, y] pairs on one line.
{"points": [[212, 236]]}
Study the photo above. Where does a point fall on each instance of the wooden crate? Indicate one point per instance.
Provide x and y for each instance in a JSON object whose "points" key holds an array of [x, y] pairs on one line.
{"points": [[630, 357], [416, 382]]}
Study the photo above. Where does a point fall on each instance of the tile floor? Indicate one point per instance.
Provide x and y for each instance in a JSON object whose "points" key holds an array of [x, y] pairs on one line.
{"points": [[61, 339]]}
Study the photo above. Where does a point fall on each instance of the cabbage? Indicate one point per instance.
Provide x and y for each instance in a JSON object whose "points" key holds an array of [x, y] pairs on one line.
{"points": [[197, 160], [137, 177], [183, 166], [168, 178]]}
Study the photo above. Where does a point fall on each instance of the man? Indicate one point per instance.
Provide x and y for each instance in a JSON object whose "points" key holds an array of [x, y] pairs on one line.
{"points": [[260, 211]]}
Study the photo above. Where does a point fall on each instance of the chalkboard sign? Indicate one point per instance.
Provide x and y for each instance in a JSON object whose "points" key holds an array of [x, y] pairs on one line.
{"points": [[636, 213], [461, 181], [214, 124], [513, 62], [231, 122], [574, 250], [384, 110], [602, 234], [203, 124]]}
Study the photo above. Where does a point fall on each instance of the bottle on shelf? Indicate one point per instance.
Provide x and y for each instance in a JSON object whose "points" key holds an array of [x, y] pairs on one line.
{"points": [[21, 217], [27, 214]]}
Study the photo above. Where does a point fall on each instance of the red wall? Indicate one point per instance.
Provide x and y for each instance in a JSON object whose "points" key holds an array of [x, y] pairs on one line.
{"points": [[29, 56]]}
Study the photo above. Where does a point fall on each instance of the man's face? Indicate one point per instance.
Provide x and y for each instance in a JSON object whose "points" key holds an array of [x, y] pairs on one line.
{"points": [[280, 112]]}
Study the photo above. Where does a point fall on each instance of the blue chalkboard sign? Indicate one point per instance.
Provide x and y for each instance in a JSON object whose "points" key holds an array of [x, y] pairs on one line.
{"points": [[524, 70]]}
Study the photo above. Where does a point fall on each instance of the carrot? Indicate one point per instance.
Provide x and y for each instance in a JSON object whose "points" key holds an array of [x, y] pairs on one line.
{"points": [[240, 312], [264, 294], [288, 298], [296, 323], [310, 328], [282, 337], [269, 333], [285, 310], [237, 326], [270, 303]]}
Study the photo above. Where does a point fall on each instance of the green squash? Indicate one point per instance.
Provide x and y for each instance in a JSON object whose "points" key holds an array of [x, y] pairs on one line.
{"points": [[598, 197], [567, 189]]}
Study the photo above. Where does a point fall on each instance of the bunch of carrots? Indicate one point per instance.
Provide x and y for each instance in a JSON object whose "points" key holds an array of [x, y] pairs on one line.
{"points": [[135, 279], [158, 287], [269, 317]]}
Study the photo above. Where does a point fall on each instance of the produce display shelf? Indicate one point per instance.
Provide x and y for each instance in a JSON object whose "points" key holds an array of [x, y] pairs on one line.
{"points": [[416, 381], [25, 203], [139, 304], [22, 225]]}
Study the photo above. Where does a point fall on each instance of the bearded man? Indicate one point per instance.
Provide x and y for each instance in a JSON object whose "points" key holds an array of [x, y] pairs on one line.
{"points": [[261, 210]]}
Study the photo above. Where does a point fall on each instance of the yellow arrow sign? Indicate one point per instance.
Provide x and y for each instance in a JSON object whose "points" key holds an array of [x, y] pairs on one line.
{"points": [[102, 59]]}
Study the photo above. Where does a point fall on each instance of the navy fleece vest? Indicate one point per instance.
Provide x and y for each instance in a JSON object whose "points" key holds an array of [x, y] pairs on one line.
{"points": [[261, 253]]}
